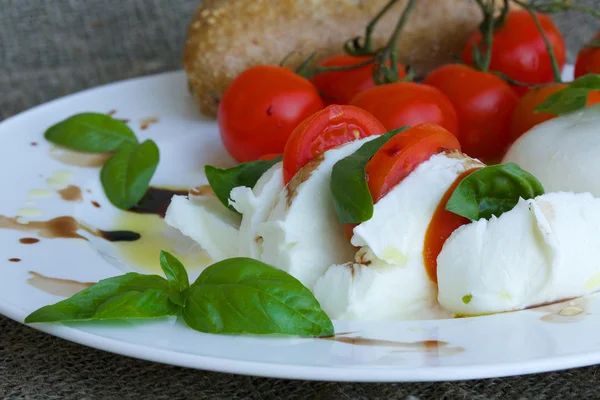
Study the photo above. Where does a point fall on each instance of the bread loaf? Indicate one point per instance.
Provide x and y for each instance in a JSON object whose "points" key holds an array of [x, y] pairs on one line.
{"points": [[226, 37]]}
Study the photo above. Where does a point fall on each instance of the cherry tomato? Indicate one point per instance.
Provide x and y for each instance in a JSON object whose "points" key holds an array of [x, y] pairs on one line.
{"points": [[324, 130], [441, 226], [519, 50], [407, 104], [260, 109], [524, 118], [340, 87], [484, 104], [588, 60], [396, 159]]}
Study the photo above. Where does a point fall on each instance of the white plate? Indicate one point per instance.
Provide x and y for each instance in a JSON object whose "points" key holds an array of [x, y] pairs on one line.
{"points": [[505, 344]]}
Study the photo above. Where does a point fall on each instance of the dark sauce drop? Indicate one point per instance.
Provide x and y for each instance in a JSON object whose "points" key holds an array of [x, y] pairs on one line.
{"points": [[29, 240], [96, 204], [14, 259], [156, 201], [119, 236], [64, 227]]}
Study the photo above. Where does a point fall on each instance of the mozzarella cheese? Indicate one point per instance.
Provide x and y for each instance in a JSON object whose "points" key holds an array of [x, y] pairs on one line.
{"points": [[302, 235], [207, 222], [388, 279], [543, 250], [255, 205], [562, 152]]}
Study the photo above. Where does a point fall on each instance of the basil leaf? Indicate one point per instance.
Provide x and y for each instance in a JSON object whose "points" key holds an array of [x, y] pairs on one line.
{"points": [[222, 181], [92, 133], [351, 196], [174, 271], [493, 190], [126, 175], [131, 295], [594, 43], [243, 295], [572, 98]]}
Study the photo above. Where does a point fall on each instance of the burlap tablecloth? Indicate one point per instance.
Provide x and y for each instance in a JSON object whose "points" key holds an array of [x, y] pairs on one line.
{"points": [[49, 48]]}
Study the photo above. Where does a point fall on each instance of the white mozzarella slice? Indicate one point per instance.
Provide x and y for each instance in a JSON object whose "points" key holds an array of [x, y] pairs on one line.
{"points": [[303, 236], [544, 250], [388, 280], [255, 205], [206, 221], [396, 232], [562, 152]]}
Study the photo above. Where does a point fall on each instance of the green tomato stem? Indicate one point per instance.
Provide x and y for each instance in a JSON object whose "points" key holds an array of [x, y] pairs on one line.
{"points": [[353, 48], [554, 62]]}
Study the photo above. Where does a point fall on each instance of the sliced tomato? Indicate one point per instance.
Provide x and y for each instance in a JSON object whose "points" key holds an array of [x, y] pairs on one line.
{"points": [[441, 226], [396, 159], [326, 129]]}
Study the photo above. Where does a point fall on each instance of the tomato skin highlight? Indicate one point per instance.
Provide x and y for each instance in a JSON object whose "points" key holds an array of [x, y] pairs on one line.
{"points": [[326, 129], [403, 153], [519, 50], [260, 109], [484, 105], [339, 87], [588, 60], [441, 226], [407, 104]]}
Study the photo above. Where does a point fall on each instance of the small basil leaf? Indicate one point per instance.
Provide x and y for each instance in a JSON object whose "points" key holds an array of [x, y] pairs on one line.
{"points": [[493, 190], [351, 196], [126, 175], [564, 102], [590, 82], [594, 43], [243, 295], [572, 98], [102, 300], [91, 132], [222, 181], [174, 271]]}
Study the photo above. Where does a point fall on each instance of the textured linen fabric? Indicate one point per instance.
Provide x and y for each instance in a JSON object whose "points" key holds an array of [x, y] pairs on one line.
{"points": [[49, 48]]}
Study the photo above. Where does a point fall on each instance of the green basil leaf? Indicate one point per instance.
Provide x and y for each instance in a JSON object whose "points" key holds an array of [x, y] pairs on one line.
{"points": [[572, 98], [222, 181], [590, 82], [594, 43], [174, 271], [243, 295], [126, 175], [92, 133], [131, 295], [493, 190], [351, 197]]}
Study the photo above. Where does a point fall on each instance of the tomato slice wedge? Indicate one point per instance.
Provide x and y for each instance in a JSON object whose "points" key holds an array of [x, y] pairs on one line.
{"points": [[396, 159], [326, 129], [441, 226]]}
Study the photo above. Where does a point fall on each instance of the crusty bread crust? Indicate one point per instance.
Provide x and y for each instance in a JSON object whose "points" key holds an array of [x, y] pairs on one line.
{"points": [[226, 37]]}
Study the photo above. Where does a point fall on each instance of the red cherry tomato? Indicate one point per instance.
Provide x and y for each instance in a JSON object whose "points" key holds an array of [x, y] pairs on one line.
{"points": [[524, 118], [260, 109], [396, 159], [339, 87], [324, 130], [407, 104], [519, 50], [484, 104], [441, 226], [588, 60]]}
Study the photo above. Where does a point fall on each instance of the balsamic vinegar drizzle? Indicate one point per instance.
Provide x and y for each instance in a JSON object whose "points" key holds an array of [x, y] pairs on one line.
{"points": [[156, 201], [63, 227]]}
